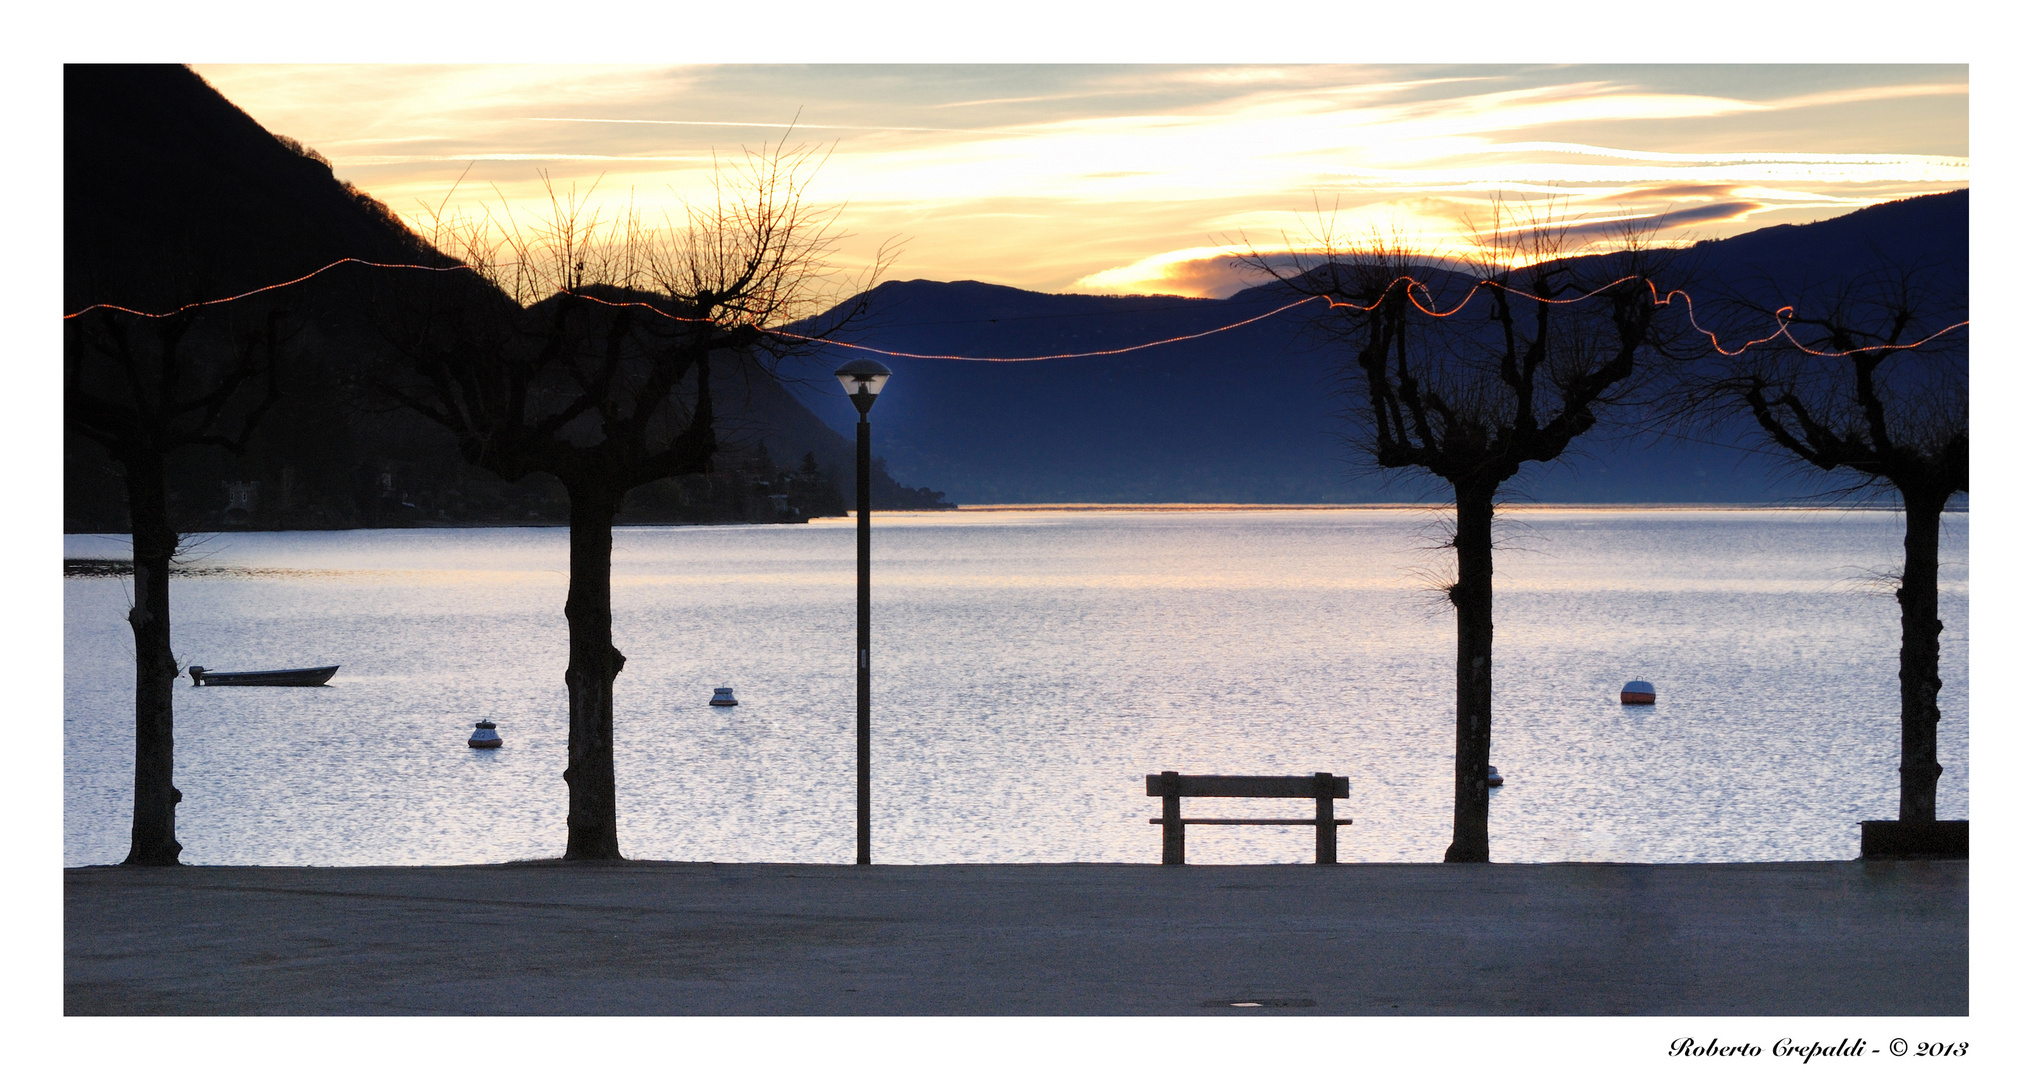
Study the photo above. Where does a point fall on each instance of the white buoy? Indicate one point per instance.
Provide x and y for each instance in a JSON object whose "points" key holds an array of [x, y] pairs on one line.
{"points": [[484, 736], [1638, 692], [724, 695]]}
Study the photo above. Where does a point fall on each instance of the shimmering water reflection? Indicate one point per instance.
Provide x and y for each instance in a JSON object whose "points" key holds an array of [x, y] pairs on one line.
{"points": [[1029, 669]]}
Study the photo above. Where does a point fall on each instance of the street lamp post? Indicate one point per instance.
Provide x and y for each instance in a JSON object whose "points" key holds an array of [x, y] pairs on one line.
{"points": [[863, 380]]}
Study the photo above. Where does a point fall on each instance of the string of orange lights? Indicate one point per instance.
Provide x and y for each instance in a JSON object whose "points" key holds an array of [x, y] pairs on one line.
{"points": [[1782, 316], [1055, 356], [263, 289]]}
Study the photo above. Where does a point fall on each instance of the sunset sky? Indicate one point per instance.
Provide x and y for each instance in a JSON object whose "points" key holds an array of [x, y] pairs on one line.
{"points": [[1139, 178]]}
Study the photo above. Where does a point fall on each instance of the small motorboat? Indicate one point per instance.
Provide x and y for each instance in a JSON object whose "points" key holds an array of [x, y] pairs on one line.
{"points": [[484, 736], [308, 676], [1638, 692], [724, 695], [1495, 779]]}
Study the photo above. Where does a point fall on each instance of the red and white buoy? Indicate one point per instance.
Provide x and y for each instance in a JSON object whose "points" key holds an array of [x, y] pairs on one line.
{"points": [[1639, 692]]}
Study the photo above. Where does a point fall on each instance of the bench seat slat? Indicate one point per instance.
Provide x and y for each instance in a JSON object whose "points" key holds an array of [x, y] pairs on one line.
{"points": [[1250, 821]]}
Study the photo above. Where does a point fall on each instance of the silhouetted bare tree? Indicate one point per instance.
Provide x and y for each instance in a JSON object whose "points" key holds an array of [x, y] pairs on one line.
{"points": [[145, 388], [1512, 368], [591, 359], [1865, 383]]}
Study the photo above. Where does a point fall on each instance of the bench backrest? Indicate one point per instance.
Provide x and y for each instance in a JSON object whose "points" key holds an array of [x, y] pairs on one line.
{"points": [[1244, 787]]}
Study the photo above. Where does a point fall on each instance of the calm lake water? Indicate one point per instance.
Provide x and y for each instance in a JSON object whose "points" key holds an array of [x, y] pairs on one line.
{"points": [[1030, 667]]}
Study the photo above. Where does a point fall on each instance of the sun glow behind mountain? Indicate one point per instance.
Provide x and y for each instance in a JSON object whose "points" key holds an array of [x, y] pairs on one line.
{"points": [[1147, 178]]}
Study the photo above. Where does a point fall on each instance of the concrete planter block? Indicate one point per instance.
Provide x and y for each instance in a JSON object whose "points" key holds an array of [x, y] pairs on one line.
{"points": [[1916, 839]]}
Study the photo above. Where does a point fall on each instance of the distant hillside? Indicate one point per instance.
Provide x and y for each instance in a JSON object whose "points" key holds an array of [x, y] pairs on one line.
{"points": [[1202, 421], [174, 195], [1256, 414]]}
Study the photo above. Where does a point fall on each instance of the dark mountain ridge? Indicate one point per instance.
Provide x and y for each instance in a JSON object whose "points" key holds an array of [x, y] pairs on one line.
{"points": [[172, 195], [1257, 414]]}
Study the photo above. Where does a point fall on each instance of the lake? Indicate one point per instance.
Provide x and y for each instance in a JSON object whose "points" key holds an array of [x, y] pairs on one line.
{"points": [[1030, 667]]}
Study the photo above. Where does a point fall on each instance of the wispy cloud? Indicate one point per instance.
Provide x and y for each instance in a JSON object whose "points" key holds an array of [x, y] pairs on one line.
{"points": [[1856, 95], [1582, 230], [772, 125], [377, 160], [1760, 158], [1122, 178]]}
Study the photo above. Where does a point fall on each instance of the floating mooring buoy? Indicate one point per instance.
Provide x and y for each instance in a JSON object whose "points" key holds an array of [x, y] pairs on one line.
{"points": [[1638, 692], [1495, 779], [484, 736], [724, 695]]}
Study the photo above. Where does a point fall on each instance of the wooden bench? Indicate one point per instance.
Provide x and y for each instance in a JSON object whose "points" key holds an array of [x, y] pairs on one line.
{"points": [[1322, 788]]}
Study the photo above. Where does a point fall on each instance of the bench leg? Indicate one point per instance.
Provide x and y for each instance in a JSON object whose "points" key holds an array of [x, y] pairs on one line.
{"points": [[1323, 818], [1175, 833]]}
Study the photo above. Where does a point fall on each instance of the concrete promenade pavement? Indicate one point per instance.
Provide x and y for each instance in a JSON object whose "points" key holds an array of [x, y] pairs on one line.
{"points": [[1834, 938]]}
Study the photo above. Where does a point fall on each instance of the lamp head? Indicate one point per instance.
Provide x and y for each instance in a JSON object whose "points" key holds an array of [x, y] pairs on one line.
{"points": [[863, 379]]}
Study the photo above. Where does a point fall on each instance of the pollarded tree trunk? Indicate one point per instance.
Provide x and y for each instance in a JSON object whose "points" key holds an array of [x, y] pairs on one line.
{"points": [[1474, 636], [1920, 656], [154, 840], [589, 677]]}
